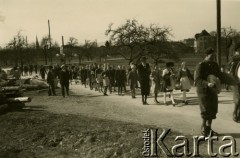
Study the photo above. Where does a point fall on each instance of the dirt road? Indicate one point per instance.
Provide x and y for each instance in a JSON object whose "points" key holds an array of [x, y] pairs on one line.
{"points": [[185, 119]]}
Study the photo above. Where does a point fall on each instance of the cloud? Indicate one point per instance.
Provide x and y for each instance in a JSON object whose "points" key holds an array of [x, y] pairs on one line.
{"points": [[2, 18]]}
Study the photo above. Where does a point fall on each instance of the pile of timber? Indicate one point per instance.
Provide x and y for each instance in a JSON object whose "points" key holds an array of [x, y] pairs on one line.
{"points": [[11, 97]]}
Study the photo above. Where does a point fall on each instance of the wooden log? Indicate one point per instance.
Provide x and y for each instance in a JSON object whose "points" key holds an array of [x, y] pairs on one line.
{"points": [[30, 87], [42, 90], [19, 99], [11, 88]]}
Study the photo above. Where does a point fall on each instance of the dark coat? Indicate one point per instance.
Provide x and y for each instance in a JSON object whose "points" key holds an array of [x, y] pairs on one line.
{"points": [[133, 78], [83, 75], [64, 77], [106, 73], [112, 75], [119, 76], [144, 78], [50, 77], [208, 98]]}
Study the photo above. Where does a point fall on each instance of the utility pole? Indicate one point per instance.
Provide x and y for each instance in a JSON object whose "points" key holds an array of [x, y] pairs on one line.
{"points": [[50, 43], [62, 41], [26, 41], [219, 32], [49, 34], [62, 55]]}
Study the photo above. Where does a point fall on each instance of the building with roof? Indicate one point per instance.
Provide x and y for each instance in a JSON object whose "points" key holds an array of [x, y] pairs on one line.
{"points": [[203, 41]]}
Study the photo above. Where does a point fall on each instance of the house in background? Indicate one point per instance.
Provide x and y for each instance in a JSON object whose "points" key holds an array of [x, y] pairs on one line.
{"points": [[203, 41], [189, 42]]}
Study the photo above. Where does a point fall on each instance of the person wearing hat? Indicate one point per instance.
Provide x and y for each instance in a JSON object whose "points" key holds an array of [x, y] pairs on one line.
{"points": [[206, 91], [144, 72], [50, 81], [169, 82]]}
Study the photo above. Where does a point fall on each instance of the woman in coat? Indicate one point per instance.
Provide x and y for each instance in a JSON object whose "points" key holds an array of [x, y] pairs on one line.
{"points": [[144, 72]]}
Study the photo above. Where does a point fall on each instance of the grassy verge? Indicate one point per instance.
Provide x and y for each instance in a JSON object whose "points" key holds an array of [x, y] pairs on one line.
{"points": [[43, 134]]}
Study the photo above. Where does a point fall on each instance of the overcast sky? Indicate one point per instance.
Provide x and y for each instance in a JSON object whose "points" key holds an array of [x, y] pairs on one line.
{"points": [[88, 19]]}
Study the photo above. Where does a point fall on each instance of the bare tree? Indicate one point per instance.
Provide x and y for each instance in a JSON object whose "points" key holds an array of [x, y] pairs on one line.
{"points": [[134, 39], [72, 41], [128, 35], [229, 34], [18, 44], [70, 48]]}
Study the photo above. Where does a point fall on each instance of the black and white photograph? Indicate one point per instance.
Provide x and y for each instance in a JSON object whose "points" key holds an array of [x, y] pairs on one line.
{"points": [[119, 78]]}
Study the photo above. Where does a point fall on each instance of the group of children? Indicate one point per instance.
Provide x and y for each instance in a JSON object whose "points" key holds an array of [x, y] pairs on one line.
{"points": [[104, 77]]}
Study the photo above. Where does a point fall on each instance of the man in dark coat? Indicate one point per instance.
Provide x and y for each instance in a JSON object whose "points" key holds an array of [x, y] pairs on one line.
{"points": [[64, 80], [42, 72], [206, 91], [30, 69], [50, 81], [36, 68], [124, 77], [119, 79], [26, 69], [83, 73], [144, 72], [112, 78]]}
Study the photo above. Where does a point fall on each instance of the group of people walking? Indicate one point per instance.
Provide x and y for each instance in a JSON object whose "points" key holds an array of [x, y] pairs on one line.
{"points": [[207, 78], [104, 78], [158, 80]]}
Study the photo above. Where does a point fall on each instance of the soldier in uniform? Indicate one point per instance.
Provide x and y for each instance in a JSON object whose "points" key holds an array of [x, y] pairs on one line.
{"points": [[206, 91], [144, 72]]}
